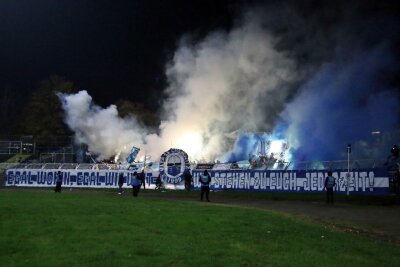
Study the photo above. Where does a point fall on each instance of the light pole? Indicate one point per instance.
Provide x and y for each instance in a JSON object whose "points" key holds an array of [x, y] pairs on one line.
{"points": [[348, 168]]}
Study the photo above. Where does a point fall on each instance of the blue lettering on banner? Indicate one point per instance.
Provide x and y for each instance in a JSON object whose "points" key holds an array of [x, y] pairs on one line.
{"points": [[102, 179], [41, 178], [17, 177], [109, 178], [296, 181], [84, 177], [49, 179], [66, 178], [30, 178], [98, 183], [79, 178], [23, 179], [10, 178]]}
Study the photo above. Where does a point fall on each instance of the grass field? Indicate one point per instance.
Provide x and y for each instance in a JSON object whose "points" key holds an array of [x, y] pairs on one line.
{"points": [[103, 229]]}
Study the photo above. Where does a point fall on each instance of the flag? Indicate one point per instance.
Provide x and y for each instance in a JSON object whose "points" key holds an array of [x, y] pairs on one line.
{"points": [[132, 156]]}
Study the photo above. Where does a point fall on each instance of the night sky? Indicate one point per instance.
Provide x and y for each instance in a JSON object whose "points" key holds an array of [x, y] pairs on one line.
{"points": [[119, 49], [113, 49]]}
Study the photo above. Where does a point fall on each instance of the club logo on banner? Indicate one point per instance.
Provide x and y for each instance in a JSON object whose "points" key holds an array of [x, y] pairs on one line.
{"points": [[173, 164]]}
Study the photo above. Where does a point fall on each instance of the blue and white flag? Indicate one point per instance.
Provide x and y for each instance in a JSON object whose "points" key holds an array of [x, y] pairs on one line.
{"points": [[132, 156]]}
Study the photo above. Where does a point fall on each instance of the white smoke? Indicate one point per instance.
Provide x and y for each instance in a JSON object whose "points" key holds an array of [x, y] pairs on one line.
{"points": [[229, 82], [105, 133]]}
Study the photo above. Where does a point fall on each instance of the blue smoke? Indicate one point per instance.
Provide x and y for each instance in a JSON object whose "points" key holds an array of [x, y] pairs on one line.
{"points": [[341, 104], [245, 144]]}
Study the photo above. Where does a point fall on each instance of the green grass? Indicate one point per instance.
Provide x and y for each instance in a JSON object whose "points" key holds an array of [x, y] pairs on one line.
{"points": [[103, 229]]}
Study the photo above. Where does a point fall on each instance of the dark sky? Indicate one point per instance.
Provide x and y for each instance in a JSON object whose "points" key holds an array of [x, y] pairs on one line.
{"points": [[119, 49], [113, 49]]}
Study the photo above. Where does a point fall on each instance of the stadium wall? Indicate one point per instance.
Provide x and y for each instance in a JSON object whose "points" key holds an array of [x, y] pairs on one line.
{"points": [[366, 181]]}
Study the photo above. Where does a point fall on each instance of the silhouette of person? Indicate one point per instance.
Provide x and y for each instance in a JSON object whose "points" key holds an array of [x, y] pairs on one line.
{"points": [[59, 179], [205, 180], [393, 167], [120, 183], [158, 182], [142, 178], [188, 179], [330, 183], [136, 183]]}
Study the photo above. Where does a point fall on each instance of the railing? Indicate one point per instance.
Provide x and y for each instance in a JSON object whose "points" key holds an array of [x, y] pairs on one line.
{"points": [[335, 164], [301, 165], [60, 166], [67, 157], [11, 147]]}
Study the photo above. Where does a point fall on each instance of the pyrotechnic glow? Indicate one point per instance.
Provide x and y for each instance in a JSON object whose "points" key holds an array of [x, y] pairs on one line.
{"points": [[191, 143], [116, 158], [276, 146]]}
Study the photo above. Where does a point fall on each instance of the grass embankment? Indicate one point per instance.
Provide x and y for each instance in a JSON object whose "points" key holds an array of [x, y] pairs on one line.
{"points": [[18, 158], [102, 229]]}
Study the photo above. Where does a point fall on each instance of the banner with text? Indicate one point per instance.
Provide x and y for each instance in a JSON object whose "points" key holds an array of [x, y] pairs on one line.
{"points": [[368, 181]]}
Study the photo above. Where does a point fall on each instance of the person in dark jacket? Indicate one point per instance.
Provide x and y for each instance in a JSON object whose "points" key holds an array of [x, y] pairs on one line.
{"points": [[59, 179], [393, 166], [330, 183], [142, 178], [120, 183], [158, 182], [205, 180], [136, 183], [188, 180]]}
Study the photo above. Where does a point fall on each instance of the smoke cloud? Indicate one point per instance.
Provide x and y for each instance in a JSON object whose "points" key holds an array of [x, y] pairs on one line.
{"points": [[105, 133], [231, 82], [320, 76]]}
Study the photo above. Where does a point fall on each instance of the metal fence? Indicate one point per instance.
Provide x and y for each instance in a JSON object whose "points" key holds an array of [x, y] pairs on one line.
{"points": [[66, 157], [10, 147], [61, 166], [44, 150], [304, 165], [335, 164]]}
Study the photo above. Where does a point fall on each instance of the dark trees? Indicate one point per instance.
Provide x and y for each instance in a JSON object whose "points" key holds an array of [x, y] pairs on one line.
{"points": [[144, 116], [43, 114]]}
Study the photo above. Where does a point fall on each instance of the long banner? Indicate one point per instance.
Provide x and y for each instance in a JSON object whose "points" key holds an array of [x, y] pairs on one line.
{"points": [[368, 181], [374, 181]]}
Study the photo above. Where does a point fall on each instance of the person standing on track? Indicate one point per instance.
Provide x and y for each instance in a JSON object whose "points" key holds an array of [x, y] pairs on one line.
{"points": [[158, 182], [205, 180], [188, 180], [330, 182], [142, 178], [136, 183], [120, 183], [59, 179], [393, 166]]}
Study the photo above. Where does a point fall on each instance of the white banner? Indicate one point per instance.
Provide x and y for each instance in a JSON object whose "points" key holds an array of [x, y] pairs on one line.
{"points": [[364, 181]]}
